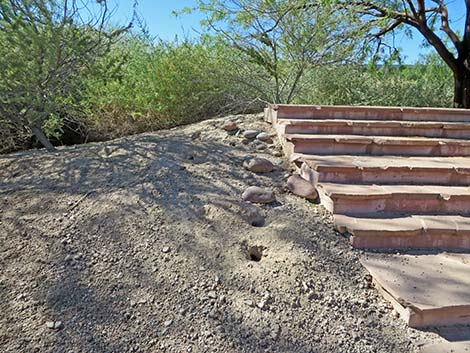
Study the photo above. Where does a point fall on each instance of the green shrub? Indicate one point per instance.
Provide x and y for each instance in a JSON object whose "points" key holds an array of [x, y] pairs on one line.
{"points": [[164, 84], [428, 83], [46, 47]]}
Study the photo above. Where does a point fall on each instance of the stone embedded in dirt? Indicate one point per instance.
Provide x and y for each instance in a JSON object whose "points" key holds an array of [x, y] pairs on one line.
{"points": [[54, 325], [301, 187], [250, 134], [261, 304], [264, 137], [230, 126], [258, 165], [256, 194], [168, 323], [249, 302], [195, 135], [166, 249], [252, 214]]}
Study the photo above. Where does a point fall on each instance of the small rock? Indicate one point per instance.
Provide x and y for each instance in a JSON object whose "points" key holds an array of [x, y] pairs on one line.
{"points": [[213, 314], [252, 215], [312, 295], [167, 323], [212, 294], [258, 165], [195, 135], [54, 325], [249, 302], [256, 194], [263, 136], [261, 304], [230, 126], [166, 249], [250, 134], [301, 187]]}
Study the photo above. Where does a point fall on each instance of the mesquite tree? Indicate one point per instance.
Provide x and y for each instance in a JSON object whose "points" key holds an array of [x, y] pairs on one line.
{"points": [[282, 40], [431, 19], [46, 46]]}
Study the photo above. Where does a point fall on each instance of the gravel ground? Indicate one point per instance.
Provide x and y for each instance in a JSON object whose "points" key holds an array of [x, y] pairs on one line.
{"points": [[143, 244]]}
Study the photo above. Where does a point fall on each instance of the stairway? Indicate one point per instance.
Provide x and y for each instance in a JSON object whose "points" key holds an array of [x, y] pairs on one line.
{"points": [[394, 178]]}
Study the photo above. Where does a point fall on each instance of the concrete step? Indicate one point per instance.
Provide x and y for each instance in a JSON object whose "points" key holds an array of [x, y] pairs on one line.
{"points": [[426, 290], [385, 169], [456, 130], [412, 232], [447, 347], [395, 199], [275, 112], [448, 339], [372, 145]]}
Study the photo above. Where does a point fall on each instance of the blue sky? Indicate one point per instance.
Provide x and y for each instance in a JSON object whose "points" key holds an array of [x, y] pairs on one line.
{"points": [[162, 23]]}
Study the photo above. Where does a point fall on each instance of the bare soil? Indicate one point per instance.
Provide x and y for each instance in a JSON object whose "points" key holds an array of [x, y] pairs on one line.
{"points": [[143, 244]]}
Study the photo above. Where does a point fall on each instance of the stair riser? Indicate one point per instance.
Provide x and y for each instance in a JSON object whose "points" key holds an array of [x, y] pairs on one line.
{"points": [[371, 113], [408, 240], [377, 131], [337, 148], [446, 316], [392, 176], [400, 204]]}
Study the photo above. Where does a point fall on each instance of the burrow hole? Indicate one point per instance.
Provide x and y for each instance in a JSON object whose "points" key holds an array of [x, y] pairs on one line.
{"points": [[255, 253]]}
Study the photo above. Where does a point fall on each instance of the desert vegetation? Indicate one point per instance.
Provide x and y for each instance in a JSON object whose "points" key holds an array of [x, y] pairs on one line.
{"points": [[70, 74]]}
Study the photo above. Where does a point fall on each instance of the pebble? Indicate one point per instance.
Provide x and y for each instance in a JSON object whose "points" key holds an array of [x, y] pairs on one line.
{"points": [[54, 325], [258, 165], [261, 304], [195, 135], [250, 134], [249, 302], [252, 215], [230, 126], [168, 323], [166, 249], [256, 194], [301, 187], [263, 136]]}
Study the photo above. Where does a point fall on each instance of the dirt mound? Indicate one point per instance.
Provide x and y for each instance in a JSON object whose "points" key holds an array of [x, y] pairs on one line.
{"points": [[143, 244]]}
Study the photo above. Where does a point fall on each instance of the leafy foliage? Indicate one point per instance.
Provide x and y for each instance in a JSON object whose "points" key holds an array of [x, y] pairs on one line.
{"points": [[45, 49], [428, 83], [284, 38], [165, 84], [60, 74]]}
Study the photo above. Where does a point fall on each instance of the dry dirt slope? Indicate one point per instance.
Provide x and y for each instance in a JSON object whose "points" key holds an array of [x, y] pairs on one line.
{"points": [[139, 245]]}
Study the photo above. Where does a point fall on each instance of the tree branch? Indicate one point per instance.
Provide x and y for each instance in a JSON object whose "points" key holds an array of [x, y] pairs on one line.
{"points": [[445, 23]]}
